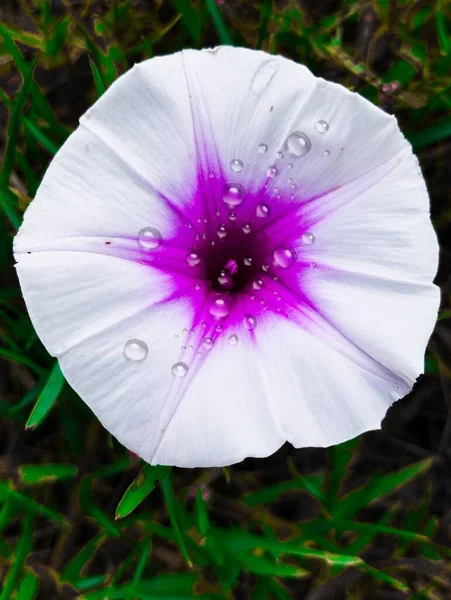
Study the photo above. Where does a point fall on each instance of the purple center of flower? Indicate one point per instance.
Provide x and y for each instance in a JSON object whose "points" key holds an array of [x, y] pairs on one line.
{"points": [[238, 253]]}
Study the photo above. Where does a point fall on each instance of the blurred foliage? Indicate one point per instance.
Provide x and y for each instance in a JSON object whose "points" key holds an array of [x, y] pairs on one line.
{"points": [[80, 517]]}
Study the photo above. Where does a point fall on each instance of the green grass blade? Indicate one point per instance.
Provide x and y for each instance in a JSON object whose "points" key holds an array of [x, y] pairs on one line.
{"points": [[99, 83], [47, 397], [23, 548], [140, 488], [91, 508], [38, 474], [14, 127], [169, 498], [41, 137], [189, 18], [219, 23], [28, 587]]}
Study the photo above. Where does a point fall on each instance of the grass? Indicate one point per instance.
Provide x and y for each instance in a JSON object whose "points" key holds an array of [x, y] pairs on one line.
{"points": [[81, 517]]}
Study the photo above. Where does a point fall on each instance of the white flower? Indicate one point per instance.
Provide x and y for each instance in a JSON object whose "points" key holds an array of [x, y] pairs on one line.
{"points": [[229, 253]]}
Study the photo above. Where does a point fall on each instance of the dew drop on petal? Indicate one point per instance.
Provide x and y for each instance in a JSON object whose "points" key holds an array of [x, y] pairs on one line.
{"points": [[258, 284], [233, 340], [280, 155], [248, 261], [262, 149], [246, 228], [219, 305], [250, 322], [289, 166], [149, 238], [284, 257], [308, 238], [179, 369], [208, 343], [326, 153], [321, 126], [232, 216], [265, 268], [298, 144], [233, 194], [135, 350], [271, 172], [236, 165], [193, 259], [197, 286], [218, 328], [312, 265], [222, 232], [211, 174], [262, 211]]}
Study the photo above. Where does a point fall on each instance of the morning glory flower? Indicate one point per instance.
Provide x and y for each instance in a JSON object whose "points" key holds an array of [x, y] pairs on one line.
{"points": [[230, 253]]}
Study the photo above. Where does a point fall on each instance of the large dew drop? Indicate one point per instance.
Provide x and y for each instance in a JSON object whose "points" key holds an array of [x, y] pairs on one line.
{"points": [[149, 238], [308, 238], [298, 144], [271, 172], [193, 259], [284, 257], [250, 322], [233, 194], [236, 165], [179, 369], [135, 351], [321, 126], [219, 305], [262, 211]]}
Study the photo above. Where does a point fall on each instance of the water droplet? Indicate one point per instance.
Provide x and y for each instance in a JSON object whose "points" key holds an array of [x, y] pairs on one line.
{"points": [[250, 322], [289, 166], [204, 236], [321, 126], [135, 350], [326, 152], [280, 155], [185, 330], [218, 328], [246, 228], [265, 268], [262, 211], [211, 174], [190, 225], [258, 284], [232, 216], [284, 257], [312, 265], [248, 261], [197, 286], [236, 165], [180, 369], [308, 238], [233, 340], [206, 220], [212, 243], [233, 194], [176, 336], [276, 278], [271, 172], [225, 280], [298, 144], [222, 232], [193, 259], [276, 190], [183, 348], [262, 149], [199, 219], [218, 213], [219, 305], [149, 238], [208, 343]]}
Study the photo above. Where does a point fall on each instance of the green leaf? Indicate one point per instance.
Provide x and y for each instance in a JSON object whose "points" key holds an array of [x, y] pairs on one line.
{"points": [[74, 568], [263, 566], [309, 483], [171, 507], [171, 585], [23, 548], [28, 587], [219, 24], [442, 32], [99, 83], [37, 474], [47, 397], [377, 488], [41, 137], [430, 135], [140, 488], [203, 522]]}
